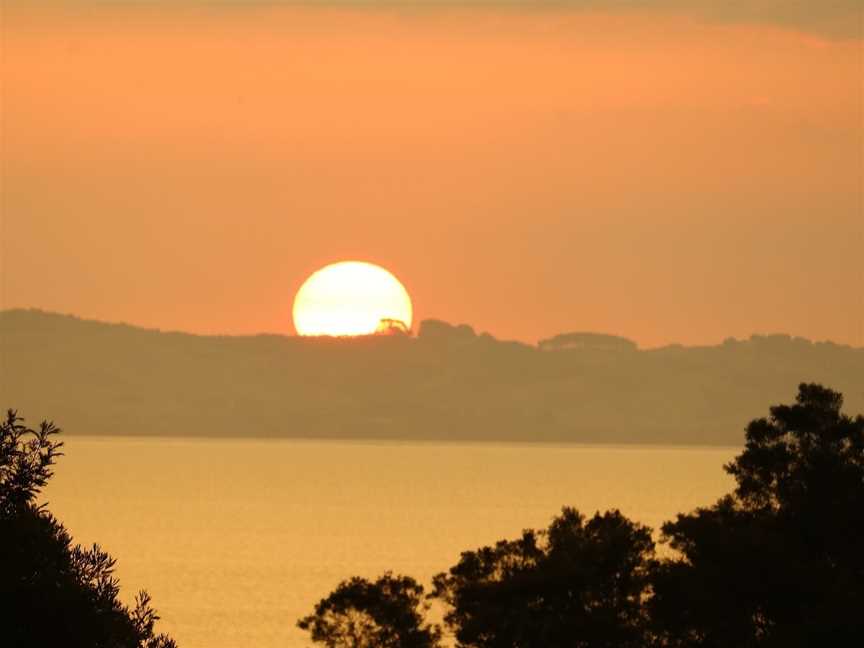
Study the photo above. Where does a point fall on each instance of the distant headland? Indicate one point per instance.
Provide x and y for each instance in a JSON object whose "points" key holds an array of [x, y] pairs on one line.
{"points": [[445, 383]]}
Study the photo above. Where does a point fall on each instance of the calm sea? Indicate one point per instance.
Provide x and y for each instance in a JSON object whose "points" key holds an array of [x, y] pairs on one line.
{"points": [[236, 539]]}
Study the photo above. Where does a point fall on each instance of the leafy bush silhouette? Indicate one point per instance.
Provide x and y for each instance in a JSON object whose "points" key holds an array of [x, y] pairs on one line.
{"points": [[387, 613], [54, 593], [779, 562]]}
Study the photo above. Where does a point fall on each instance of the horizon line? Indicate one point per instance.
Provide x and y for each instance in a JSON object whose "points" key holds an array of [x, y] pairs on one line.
{"points": [[415, 334]]}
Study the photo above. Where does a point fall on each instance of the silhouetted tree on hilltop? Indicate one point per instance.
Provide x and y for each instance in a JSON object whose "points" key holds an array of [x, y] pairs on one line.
{"points": [[580, 583], [779, 562], [54, 593], [387, 613]]}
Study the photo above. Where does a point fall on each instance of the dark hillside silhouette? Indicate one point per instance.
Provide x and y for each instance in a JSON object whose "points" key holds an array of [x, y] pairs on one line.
{"points": [[446, 383]]}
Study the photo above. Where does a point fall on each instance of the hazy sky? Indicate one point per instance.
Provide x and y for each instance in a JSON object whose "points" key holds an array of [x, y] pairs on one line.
{"points": [[678, 174]]}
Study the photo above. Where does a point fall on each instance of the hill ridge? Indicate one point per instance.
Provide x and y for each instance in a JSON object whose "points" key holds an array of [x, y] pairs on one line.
{"points": [[447, 383]]}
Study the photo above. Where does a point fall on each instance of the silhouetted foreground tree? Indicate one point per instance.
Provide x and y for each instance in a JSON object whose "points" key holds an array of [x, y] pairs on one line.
{"points": [[777, 563], [781, 561], [388, 613], [579, 583], [54, 593]]}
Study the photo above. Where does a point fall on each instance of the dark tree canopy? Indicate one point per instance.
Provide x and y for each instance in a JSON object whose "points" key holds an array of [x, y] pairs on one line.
{"points": [[779, 562], [386, 613], [26, 457], [54, 593], [578, 584]]}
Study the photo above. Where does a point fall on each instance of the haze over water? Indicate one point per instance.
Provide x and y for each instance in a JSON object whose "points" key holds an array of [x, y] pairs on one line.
{"points": [[237, 539]]}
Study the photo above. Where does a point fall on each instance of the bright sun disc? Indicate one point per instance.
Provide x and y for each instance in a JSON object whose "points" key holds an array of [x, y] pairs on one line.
{"points": [[351, 298]]}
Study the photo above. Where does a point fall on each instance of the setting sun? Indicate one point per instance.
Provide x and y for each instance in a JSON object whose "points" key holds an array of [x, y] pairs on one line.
{"points": [[351, 298]]}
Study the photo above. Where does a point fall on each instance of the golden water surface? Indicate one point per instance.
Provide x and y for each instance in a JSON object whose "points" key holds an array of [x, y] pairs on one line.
{"points": [[236, 539]]}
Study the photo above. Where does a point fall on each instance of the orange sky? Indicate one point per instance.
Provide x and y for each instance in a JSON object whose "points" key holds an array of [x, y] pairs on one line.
{"points": [[650, 174]]}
